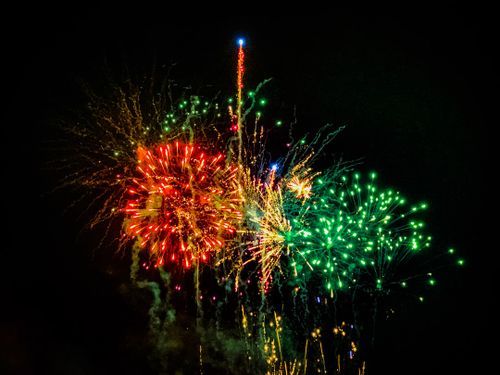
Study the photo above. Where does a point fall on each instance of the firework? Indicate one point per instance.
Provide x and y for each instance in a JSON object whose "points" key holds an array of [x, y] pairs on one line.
{"points": [[241, 72], [281, 350], [271, 223], [184, 203], [353, 233], [271, 202], [192, 185]]}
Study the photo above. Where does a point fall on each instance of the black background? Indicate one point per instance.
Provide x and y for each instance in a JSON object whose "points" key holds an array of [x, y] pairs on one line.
{"points": [[417, 89]]}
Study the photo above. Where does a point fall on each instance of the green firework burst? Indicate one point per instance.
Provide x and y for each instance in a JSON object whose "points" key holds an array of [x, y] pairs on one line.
{"points": [[352, 232]]}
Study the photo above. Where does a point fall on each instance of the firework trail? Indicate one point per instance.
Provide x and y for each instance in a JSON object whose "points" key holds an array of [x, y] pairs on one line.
{"points": [[241, 72]]}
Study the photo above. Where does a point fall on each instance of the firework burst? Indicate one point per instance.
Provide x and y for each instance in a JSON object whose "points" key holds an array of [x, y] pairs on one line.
{"points": [[273, 202], [184, 203], [271, 223], [351, 233], [191, 184]]}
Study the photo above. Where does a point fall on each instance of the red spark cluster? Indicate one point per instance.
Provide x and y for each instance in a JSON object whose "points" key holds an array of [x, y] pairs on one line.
{"points": [[184, 203]]}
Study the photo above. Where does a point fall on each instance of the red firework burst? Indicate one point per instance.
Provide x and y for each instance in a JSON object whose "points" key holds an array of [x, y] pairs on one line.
{"points": [[184, 203]]}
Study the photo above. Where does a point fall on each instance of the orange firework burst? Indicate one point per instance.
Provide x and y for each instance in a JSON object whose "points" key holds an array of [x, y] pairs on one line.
{"points": [[184, 203]]}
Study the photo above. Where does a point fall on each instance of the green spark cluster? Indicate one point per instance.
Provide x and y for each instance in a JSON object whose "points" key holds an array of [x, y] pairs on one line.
{"points": [[353, 232]]}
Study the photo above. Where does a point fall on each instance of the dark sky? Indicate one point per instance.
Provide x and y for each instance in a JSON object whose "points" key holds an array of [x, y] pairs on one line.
{"points": [[416, 90]]}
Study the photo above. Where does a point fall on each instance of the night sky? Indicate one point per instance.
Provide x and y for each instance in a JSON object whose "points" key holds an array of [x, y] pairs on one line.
{"points": [[416, 90]]}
